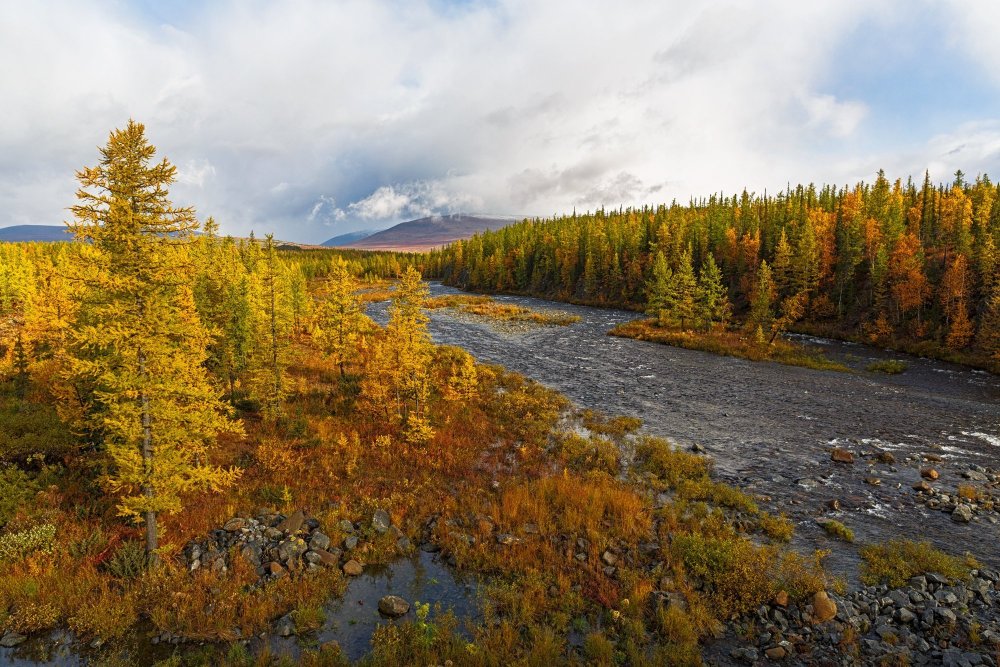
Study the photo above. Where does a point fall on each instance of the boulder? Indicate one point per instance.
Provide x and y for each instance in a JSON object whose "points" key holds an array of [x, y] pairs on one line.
{"points": [[319, 540], [381, 521], [393, 606], [824, 609], [841, 456], [12, 639], [327, 558], [293, 523], [962, 514], [350, 542], [236, 524], [781, 599], [929, 473], [353, 568]]}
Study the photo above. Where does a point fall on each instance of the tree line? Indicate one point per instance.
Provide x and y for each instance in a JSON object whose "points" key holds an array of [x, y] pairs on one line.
{"points": [[894, 263]]}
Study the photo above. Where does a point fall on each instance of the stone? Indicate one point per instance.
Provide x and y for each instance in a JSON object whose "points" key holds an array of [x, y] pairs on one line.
{"points": [[929, 473], [886, 457], [350, 542], [353, 568], [873, 481], [609, 558], [345, 526], [285, 626], [393, 606], [776, 653], [12, 639], [906, 616], [275, 569], [313, 558], [319, 540], [506, 539], [404, 544], [824, 609], [923, 487], [236, 524], [841, 456], [781, 599], [291, 549], [381, 521], [293, 523], [962, 514], [330, 559]]}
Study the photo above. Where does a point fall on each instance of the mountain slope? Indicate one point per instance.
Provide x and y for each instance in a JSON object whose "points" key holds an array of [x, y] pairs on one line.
{"points": [[349, 237], [19, 233], [427, 233]]}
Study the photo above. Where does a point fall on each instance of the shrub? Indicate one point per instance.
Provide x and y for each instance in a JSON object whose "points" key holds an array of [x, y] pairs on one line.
{"points": [[15, 546], [896, 561], [129, 561], [837, 529], [777, 527], [308, 618], [15, 488], [888, 366], [657, 457]]}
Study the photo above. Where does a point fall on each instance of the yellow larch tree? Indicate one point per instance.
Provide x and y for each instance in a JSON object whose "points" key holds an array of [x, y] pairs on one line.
{"points": [[138, 346]]}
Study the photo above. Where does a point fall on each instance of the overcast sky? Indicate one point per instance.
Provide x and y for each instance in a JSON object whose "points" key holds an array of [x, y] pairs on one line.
{"points": [[313, 118]]}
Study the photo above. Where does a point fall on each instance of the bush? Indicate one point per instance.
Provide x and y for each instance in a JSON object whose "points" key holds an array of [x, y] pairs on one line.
{"points": [[15, 546], [657, 457], [888, 366], [838, 529], [897, 561], [15, 488], [129, 561], [777, 527]]}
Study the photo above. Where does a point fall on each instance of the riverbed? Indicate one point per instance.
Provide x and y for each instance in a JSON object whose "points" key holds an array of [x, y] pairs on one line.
{"points": [[770, 428]]}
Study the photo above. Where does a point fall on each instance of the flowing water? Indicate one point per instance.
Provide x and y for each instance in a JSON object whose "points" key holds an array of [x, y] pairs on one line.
{"points": [[770, 427]]}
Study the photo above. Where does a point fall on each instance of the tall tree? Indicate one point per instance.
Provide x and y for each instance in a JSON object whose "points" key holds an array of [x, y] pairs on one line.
{"points": [[342, 316], [138, 344]]}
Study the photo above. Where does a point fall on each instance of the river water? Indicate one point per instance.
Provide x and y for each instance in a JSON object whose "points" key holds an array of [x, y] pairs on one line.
{"points": [[770, 427]]}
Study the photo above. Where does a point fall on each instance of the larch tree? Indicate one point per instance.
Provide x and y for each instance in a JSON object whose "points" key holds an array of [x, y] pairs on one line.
{"points": [[341, 316], [762, 299], [660, 298], [138, 345], [685, 288], [410, 346]]}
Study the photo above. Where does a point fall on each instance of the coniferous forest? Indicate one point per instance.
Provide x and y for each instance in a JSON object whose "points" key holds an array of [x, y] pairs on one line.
{"points": [[211, 445], [903, 265]]}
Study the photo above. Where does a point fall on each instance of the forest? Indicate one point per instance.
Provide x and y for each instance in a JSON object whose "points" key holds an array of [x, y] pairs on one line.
{"points": [[205, 439], [905, 266]]}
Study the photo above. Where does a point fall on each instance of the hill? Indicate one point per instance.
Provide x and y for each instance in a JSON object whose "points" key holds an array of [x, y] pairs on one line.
{"points": [[349, 237], [427, 233], [34, 233]]}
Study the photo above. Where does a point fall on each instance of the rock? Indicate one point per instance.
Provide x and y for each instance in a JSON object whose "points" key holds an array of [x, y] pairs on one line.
{"points": [[776, 653], [381, 521], [975, 476], [506, 539], [404, 544], [345, 526], [841, 456], [873, 481], [292, 524], [886, 457], [834, 505], [747, 654], [906, 616], [923, 487], [327, 558], [319, 541], [285, 626], [291, 549], [236, 524], [962, 514], [929, 473], [609, 558], [697, 449], [824, 609], [350, 542], [781, 599], [393, 606], [275, 569], [12, 639], [353, 568]]}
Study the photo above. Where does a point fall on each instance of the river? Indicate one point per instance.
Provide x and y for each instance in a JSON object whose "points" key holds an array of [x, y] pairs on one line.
{"points": [[769, 427]]}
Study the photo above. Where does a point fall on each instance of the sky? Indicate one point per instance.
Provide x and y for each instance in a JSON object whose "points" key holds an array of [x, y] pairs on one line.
{"points": [[313, 118]]}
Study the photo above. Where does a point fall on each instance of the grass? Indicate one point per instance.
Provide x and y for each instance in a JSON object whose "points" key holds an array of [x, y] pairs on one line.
{"points": [[887, 366], [486, 307], [728, 343], [897, 561]]}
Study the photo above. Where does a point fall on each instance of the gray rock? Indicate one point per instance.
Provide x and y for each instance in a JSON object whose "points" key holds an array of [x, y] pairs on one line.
{"points": [[350, 542], [506, 539], [345, 526], [393, 606], [236, 524], [962, 514], [381, 521], [12, 639], [319, 540], [291, 549]]}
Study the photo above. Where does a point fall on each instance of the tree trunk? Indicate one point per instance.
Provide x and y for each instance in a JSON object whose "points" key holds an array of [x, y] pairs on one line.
{"points": [[147, 460]]}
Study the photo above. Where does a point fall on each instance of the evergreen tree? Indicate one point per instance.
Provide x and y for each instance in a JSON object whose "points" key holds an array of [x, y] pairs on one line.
{"points": [[713, 302], [660, 300], [762, 298], [342, 316], [685, 288]]}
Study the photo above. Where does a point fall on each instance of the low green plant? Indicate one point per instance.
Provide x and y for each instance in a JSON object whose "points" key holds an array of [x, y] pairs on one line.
{"points": [[888, 366], [897, 561], [837, 529], [778, 528], [15, 546], [308, 618], [129, 561], [15, 488]]}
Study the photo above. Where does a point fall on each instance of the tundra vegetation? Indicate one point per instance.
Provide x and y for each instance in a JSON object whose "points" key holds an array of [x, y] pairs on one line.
{"points": [[160, 386]]}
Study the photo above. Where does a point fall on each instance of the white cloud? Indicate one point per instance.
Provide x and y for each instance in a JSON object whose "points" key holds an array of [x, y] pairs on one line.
{"points": [[366, 112]]}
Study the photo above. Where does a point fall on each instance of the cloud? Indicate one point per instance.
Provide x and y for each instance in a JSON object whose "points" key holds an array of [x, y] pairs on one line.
{"points": [[291, 117]]}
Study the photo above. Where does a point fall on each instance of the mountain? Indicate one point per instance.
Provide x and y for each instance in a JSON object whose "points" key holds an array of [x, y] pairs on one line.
{"points": [[34, 233], [349, 237], [428, 233]]}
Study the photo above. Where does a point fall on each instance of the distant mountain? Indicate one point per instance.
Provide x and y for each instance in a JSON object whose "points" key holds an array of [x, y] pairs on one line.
{"points": [[349, 237], [19, 233], [428, 233]]}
